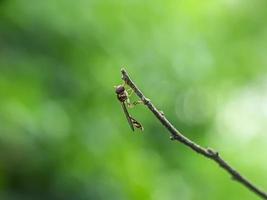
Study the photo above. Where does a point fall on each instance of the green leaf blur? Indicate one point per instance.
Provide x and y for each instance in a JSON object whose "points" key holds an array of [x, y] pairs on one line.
{"points": [[63, 134]]}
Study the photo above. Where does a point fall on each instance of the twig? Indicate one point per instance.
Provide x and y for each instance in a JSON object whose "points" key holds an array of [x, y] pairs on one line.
{"points": [[176, 135]]}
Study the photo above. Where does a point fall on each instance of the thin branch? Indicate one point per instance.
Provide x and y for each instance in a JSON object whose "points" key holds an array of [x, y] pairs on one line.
{"points": [[178, 136]]}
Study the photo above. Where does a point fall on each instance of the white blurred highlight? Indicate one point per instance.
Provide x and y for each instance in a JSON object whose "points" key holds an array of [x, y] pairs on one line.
{"points": [[195, 106], [244, 117]]}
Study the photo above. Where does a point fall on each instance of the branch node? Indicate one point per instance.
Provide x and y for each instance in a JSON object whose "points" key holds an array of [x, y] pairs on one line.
{"points": [[172, 137], [212, 152], [145, 100]]}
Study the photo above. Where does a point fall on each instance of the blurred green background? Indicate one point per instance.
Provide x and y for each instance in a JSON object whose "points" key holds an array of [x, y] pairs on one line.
{"points": [[63, 134]]}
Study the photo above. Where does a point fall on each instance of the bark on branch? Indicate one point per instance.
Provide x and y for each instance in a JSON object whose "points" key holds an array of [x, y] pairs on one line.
{"points": [[178, 136]]}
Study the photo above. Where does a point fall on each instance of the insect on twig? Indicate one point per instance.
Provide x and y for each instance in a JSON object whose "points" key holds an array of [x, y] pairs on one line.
{"points": [[123, 97]]}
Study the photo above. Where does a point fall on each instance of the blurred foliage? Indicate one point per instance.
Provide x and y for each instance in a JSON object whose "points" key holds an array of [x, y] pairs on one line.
{"points": [[62, 132]]}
